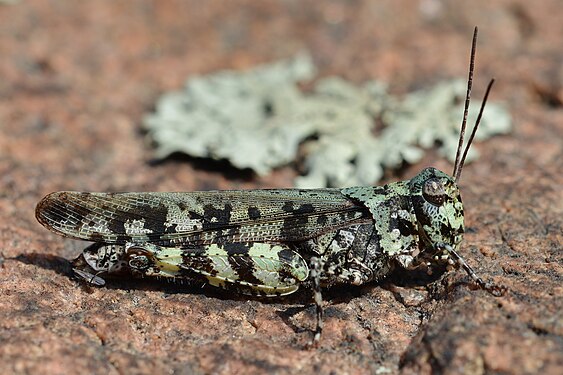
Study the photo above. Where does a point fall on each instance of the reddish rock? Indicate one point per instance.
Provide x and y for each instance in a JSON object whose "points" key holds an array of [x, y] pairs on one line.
{"points": [[76, 79]]}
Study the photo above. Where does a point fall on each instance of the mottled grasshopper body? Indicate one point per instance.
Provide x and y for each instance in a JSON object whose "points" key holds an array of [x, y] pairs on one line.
{"points": [[269, 242]]}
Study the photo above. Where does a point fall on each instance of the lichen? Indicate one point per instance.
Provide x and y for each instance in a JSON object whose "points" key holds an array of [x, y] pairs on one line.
{"points": [[260, 118]]}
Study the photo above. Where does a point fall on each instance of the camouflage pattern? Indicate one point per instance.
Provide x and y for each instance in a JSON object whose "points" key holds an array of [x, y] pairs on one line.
{"points": [[270, 242], [261, 241]]}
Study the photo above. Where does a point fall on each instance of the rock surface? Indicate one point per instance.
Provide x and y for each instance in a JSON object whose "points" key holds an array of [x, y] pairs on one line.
{"points": [[76, 79]]}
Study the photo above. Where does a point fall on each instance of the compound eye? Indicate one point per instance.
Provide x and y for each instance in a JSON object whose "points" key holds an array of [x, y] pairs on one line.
{"points": [[434, 191]]}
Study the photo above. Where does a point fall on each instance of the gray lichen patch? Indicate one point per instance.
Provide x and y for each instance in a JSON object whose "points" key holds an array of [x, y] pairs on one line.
{"points": [[254, 119], [258, 119], [432, 116]]}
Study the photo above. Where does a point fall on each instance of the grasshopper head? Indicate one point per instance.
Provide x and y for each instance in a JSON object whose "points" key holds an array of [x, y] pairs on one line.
{"points": [[439, 211], [435, 195]]}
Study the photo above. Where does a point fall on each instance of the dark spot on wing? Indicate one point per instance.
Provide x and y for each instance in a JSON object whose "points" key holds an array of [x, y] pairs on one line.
{"points": [[156, 220], [96, 237], [254, 213], [288, 206], [306, 208], [322, 220], [183, 206], [216, 216]]}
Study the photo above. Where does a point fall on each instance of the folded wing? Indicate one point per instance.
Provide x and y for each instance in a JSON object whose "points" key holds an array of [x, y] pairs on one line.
{"points": [[198, 218]]}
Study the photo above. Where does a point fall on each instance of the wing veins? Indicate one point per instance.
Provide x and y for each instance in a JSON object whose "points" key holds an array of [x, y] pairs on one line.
{"points": [[79, 215]]}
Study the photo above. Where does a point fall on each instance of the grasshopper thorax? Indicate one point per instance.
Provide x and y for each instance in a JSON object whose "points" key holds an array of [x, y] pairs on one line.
{"points": [[439, 211]]}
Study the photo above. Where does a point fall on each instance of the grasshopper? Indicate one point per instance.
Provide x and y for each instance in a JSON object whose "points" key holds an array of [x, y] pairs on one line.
{"points": [[271, 242]]}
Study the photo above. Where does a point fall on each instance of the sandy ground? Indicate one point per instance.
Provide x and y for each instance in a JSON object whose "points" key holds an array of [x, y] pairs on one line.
{"points": [[75, 81]]}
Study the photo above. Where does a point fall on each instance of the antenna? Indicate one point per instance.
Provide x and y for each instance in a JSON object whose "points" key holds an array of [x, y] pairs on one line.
{"points": [[477, 122], [467, 99]]}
